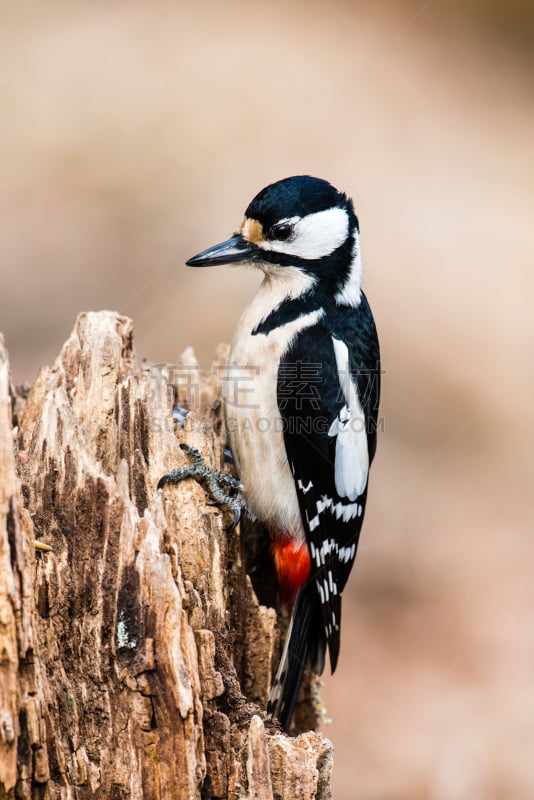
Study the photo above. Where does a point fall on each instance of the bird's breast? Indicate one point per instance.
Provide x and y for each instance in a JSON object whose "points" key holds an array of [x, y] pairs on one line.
{"points": [[254, 424]]}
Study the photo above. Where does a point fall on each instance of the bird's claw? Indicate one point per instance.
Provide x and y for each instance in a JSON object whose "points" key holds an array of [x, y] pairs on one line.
{"points": [[235, 521], [213, 481], [228, 456], [179, 414]]}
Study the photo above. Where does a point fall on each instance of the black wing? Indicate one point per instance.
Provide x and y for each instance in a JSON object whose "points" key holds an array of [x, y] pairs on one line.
{"points": [[356, 327], [312, 399]]}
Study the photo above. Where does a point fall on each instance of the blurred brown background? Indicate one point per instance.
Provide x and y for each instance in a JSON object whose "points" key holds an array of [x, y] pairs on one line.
{"points": [[133, 135]]}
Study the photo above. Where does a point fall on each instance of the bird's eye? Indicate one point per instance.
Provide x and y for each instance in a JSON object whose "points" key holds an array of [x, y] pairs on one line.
{"points": [[281, 232]]}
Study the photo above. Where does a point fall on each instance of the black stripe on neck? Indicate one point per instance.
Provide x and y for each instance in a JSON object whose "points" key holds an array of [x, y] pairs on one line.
{"points": [[288, 311], [331, 273]]}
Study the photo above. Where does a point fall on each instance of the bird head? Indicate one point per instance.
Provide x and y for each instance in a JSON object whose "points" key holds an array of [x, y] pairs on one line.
{"points": [[299, 223]]}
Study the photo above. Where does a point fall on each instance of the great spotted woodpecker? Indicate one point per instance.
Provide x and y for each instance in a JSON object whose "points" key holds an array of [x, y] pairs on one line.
{"points": [[301, 400]]}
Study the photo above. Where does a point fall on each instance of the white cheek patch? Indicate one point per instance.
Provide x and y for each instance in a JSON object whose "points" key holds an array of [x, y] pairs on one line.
{"points": [[316, 235]]}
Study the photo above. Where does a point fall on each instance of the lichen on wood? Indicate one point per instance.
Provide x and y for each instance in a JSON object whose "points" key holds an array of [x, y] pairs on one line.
{"points": [[122, 673]]}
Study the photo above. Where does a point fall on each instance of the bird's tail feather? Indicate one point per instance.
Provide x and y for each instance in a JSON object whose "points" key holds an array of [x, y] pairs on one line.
{"points": [[299, 644]]}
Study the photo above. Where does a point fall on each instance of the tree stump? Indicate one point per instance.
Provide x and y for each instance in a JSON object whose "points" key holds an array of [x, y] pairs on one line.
{"points": [[135, 659]]}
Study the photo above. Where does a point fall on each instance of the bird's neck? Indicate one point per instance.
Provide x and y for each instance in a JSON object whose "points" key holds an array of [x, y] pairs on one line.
{"points": [[285, 294]]}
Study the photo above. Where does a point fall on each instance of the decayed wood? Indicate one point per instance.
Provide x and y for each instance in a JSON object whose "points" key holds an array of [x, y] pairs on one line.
{"points": [[132, 655]]}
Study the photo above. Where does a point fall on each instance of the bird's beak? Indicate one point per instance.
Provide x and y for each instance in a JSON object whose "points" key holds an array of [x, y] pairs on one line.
{"points": [[234, 249]]}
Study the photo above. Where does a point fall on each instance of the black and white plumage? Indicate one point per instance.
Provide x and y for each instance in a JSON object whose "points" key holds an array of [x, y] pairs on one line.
{"points": [[301, 403]]}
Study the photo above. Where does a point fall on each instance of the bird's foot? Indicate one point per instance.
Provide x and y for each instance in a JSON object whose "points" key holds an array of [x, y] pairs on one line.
{"points": [[228, 456], [214, 481], [179, 414]]}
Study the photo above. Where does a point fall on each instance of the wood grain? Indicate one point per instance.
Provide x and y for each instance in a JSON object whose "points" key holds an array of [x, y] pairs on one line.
{"points": [[121, 675]]}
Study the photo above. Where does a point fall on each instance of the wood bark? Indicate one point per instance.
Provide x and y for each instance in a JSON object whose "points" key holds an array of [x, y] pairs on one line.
{"points": [[135, 658]]}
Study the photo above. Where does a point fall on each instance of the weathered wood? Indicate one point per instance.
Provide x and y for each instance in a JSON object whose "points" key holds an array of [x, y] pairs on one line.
{"points": [[121, 673]]}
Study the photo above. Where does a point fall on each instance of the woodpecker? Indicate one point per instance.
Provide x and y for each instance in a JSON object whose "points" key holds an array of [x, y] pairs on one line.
{"points": [[301, 395]]}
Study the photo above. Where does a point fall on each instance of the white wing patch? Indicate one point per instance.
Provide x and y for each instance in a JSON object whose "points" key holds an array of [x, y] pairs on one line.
{"points": [[352, 456]]}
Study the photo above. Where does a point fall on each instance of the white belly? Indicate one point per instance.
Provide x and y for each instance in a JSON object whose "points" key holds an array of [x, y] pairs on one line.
{"points": [[254, 425]]}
